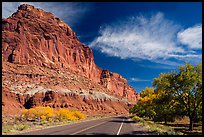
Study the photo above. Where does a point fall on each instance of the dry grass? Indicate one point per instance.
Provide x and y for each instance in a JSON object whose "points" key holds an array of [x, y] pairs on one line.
{"points": [[182, 125], [39, 117], [179, 127], [159, 128], [14, 125]]}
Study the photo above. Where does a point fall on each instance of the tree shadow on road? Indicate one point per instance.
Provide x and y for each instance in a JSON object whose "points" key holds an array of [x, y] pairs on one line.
{"points": [[95, 134], [120, 121], [131, 133], [142, 133], [121, 117]]}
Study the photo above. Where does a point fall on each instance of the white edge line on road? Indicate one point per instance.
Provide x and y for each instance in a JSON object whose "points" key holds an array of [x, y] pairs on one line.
{"points": [[120, 127]]}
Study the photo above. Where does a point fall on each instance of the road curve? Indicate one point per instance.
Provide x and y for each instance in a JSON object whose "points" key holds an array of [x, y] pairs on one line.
{"points": [[119, 125]]}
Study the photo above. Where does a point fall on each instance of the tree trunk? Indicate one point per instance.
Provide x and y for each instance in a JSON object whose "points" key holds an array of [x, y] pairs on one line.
{"points": [[165, 122], [191, 123]]}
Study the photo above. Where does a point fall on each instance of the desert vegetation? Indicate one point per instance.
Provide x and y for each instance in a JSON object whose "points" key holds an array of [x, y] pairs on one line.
{"points": [[49, 114], [155, 127], [42, 116]]}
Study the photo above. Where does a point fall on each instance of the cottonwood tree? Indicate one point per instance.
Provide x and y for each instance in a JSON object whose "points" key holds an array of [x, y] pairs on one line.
{"points": [[186, 87], [167, 108], [156, 105], [144, 107]]}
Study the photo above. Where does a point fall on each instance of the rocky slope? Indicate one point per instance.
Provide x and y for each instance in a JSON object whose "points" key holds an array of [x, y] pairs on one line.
{"points": [[44, 63]]}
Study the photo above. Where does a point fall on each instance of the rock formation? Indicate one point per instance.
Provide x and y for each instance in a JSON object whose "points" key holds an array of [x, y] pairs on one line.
{"points": [[44, 63]]}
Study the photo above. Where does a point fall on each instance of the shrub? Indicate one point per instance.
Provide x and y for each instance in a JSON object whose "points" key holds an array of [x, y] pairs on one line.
{"points": [[65, 114], [21, 127], [62, 114], [48, 114], [79, 115], [44, 113], [137, 118]]}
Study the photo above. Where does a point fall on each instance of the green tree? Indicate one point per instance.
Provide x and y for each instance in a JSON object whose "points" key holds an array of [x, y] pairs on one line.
{"points": [[144, 107], [186, 87], [166, 107]]}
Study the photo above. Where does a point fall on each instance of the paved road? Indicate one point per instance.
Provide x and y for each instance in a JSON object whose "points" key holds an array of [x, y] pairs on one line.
{"points": [[120, 125]]}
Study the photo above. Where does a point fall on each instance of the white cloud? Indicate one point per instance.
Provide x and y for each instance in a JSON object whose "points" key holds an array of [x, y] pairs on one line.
{"points": [[137, 80], [70, 12], [143, 38], [191, 36]]}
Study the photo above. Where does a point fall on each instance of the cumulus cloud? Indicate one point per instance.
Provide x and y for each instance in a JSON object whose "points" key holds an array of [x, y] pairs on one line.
{"points": [[147, 38], [192, 37], [70, 12]]}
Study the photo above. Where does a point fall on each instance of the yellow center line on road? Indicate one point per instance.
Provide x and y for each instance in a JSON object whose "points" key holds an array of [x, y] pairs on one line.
{"points": [[88, 128]]}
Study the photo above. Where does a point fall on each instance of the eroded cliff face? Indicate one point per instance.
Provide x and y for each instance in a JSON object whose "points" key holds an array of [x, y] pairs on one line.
{"points": [[32, 36], [41, 50]]}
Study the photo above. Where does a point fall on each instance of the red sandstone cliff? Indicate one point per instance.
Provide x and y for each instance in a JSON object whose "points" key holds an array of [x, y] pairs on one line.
{"points": [[40, 49]]}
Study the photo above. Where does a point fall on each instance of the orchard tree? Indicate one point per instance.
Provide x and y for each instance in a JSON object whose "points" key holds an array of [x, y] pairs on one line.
{"points": [[145, 107], [148, 95], [157, 105], [186, 87], [166, 107]]}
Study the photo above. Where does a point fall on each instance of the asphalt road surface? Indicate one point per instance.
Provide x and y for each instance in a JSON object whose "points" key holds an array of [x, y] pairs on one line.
{"points": [[120, 125]]}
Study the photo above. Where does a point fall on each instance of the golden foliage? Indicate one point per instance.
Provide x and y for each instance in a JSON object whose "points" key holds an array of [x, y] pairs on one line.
{"points": [[49, 114]]}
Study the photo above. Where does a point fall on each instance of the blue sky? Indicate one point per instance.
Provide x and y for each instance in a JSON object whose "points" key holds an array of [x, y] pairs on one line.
{"points": [[138, 40]]}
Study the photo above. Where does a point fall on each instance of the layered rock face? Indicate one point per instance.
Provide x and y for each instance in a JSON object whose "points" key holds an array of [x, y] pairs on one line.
{"points": [[32, 36], [43, 58]]}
